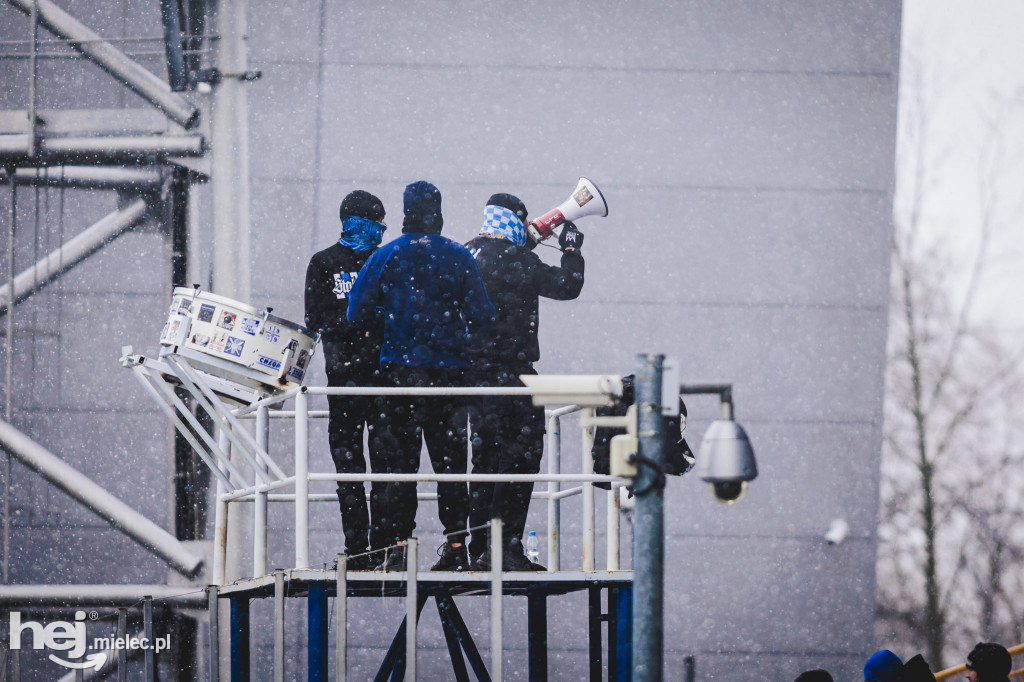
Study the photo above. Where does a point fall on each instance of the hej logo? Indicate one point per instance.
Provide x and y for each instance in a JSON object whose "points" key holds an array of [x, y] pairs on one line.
{"points": [[70, 637]]}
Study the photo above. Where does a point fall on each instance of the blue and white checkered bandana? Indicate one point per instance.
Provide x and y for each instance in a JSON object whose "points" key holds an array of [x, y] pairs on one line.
{"points": [[501, 223]]}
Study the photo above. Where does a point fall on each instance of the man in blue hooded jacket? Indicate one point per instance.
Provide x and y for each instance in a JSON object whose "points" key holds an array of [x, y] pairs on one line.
{"points": [[434, 303]]}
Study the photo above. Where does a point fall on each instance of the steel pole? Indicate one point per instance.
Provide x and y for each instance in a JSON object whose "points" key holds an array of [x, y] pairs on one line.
{"points": [[341, 633], [279, 597], [411, 606], [587, 466], [301, 480], [497, 645], [648, 529], [259, 528], [554, 504]]}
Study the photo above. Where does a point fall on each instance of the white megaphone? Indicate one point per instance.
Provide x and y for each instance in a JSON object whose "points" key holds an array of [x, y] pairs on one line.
{"points": [[585, 200]]}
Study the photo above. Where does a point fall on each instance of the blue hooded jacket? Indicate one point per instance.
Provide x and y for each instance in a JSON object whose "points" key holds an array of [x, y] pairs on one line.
{"points": [[429, 287]]}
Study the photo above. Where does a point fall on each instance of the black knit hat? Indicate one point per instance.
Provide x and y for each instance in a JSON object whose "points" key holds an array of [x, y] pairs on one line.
{"points": [[360, 204], [990, 660], [511, 202], [422, 203]]}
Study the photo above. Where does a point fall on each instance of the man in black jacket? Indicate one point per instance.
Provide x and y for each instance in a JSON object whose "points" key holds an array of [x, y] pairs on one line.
{"points": [[508, 431], [353, 359]]}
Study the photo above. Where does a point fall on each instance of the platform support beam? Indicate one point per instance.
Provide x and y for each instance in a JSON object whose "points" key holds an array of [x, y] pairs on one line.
{"points": [[537, 635], [317, 620], [239, 639]]}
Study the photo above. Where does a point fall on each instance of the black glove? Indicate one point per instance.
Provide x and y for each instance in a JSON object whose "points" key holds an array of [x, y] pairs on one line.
{"points": [[570, 238]]}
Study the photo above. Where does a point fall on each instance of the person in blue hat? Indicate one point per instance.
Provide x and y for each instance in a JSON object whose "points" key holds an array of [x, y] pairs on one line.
{"points": [[883, 666], [435, 307]]}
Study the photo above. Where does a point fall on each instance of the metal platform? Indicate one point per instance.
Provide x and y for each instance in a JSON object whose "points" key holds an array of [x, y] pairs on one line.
{"points": [[317, 586]]}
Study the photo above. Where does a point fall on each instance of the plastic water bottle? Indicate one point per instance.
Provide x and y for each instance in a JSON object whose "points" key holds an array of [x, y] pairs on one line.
{"points": [[532, 547]]}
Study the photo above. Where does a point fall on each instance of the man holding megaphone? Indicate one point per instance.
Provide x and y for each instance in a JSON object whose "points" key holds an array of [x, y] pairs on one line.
{"points": [[508, 431]]}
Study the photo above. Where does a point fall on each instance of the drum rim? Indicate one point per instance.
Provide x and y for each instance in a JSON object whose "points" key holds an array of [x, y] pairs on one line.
{"points": [[244, 307]]}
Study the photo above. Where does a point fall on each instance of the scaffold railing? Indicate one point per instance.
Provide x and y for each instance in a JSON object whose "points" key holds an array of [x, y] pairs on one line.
{"points": [[245, 472]]}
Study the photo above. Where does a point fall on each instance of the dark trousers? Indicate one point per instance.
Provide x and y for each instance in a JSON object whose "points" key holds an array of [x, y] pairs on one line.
{"points": [[508, 438], [347, 416], [440, 421]]}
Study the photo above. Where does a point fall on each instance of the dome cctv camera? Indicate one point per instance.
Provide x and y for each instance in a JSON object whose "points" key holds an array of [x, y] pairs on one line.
{"points": [[726, 460], [729, 492], [837, 532]]}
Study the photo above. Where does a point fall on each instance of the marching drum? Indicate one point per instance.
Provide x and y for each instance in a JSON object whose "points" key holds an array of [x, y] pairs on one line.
{"points": [[236, 342]]}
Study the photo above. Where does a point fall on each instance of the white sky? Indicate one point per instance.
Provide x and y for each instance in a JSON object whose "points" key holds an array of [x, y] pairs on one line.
{"points": [[974, 54]]}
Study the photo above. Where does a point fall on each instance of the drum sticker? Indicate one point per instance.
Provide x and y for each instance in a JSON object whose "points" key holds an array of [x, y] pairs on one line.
{"points": [[227, 320], [269, 362], [218, 341], [249, 325], [163, 334], [206, 312], [234, 346], [295, 373], [303, 357], [184, 306], [272, 333], [201, 340]]}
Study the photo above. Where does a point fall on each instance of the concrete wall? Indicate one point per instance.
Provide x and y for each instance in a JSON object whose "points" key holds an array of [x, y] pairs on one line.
{"points": [[745, 149]]}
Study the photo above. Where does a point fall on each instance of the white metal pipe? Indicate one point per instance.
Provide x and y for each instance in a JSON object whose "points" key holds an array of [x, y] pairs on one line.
{"points": [[409, 390], [554, 507], [341, 631], [279, 598], [118, 146], [259, 524], [460, 478], [73, 251], [75, 596], [243, 440], [587, 467], [497, 646], [411, 612], [301, 481], [113, 61], [612, 541], [89, 177], [97, 499], [15, 144], [220, 522]]}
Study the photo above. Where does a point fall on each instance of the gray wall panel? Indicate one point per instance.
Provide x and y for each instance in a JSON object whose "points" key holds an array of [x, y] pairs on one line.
{"points": [[648, 128], [282, 120], [717, 36]]}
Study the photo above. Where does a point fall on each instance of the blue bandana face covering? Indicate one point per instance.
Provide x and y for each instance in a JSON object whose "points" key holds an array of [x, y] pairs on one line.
{"points": [[501, 223], [360, 234]]}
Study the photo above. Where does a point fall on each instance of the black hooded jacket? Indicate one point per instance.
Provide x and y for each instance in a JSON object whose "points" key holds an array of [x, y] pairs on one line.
{"points": [[329, 279], [515, 278]]}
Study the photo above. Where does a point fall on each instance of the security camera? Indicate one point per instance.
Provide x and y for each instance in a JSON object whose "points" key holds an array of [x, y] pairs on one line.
{"points": [[726, 460], [837, 532], [729, 492]]}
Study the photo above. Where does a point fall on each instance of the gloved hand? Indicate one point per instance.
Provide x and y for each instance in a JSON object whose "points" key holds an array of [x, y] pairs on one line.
{"points": [[570, 238]]}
